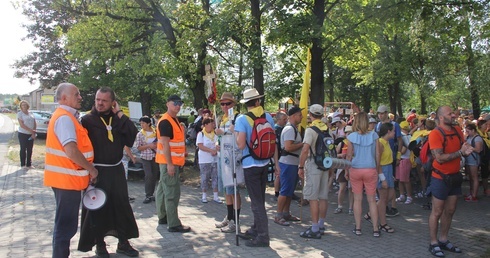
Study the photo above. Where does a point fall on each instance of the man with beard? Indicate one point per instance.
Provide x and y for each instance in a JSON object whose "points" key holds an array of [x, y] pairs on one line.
{"points": [[109, 130], [447, 148]]}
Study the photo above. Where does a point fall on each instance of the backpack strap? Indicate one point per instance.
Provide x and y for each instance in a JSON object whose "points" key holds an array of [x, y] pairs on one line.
{"points": [[318, 131], [283, 151]]}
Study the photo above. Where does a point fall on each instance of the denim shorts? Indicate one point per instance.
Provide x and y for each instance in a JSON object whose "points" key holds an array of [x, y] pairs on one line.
{"points": [[388, 172]]}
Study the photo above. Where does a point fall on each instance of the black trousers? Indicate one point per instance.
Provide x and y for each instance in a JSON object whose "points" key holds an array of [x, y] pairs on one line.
{"points": [[25, 149]]}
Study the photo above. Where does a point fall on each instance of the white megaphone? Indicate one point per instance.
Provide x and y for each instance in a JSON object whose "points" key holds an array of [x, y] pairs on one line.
{"points": [[94, 198]]}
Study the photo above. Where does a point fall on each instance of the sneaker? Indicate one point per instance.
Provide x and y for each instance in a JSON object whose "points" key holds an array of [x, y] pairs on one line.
{"points": [[392, 212], [409, 200], [401, 198], [351, 212], [127, 249], [231, 228], [471, 199], [218, 201], [179, 229], [152, 198], [147, 200], [337, 211], [420, 194], [223, 223], [204, 200]]}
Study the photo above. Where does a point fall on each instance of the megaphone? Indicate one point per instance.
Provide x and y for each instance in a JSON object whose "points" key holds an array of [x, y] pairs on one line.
{"points": [[94, 198]]}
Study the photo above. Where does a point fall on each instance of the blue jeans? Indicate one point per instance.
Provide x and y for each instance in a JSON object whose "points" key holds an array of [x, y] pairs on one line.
{"points": [[256, 180], [65, 221]]}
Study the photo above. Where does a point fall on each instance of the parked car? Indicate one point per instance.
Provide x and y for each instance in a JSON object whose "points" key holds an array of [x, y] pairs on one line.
{"points": [[42, 121]]}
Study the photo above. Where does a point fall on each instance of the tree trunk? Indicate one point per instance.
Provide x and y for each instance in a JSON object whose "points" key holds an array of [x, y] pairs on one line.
{"points": [[256, 47], [317, 90], [470, 63], [330, 80]]}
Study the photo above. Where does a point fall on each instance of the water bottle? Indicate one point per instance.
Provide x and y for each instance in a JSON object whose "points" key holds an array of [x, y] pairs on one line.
{"points": [[30, 138]]}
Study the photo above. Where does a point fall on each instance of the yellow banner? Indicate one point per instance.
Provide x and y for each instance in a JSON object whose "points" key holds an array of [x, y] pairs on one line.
{"points": [[305, 94]]}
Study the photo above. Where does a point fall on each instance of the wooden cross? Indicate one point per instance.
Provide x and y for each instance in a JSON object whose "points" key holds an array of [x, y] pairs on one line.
{"points": [[208, 78]]}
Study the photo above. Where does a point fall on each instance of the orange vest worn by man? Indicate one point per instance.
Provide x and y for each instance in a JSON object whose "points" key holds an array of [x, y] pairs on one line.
{"points": [[177, 143], [60, 171]]}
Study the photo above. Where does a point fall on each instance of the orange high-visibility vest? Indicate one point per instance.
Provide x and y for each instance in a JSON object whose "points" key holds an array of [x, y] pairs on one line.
{"points": [[177, 144], [59, 170]]}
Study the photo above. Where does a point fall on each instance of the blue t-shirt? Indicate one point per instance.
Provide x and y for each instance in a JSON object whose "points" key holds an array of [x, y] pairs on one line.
{"points": [[242, 125], [364, 149]]}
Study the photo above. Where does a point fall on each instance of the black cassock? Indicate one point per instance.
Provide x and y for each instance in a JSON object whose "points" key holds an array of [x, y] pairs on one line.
{"points": [[116, 217]]}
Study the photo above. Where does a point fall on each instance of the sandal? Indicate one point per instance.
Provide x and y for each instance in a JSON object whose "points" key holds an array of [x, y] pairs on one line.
{"points": [[448, 246], [376, 233], [436, 250], [357, 232], [337, 211], [310, 234], [281, 221], [386, 228], [368, 218], [291, 218]]}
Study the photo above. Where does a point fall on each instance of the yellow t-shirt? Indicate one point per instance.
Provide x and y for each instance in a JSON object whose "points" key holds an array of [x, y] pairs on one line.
{"points": [[387, 155]]}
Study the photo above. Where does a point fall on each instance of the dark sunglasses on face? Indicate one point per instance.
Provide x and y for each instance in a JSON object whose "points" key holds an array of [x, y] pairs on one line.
{"points": [[178, 103], [226, 103]]}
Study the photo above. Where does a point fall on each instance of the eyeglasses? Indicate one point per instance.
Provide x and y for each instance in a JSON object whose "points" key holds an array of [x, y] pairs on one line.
{"points": [[226, 103], [178, 103]]}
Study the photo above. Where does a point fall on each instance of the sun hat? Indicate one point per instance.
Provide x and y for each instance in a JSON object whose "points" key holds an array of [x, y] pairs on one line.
{"points": [[227, 96], [250, 94], [335, 120]]}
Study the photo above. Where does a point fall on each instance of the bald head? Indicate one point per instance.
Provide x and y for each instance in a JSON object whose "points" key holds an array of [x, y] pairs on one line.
{"points": [[445, 116], [67, 94]]}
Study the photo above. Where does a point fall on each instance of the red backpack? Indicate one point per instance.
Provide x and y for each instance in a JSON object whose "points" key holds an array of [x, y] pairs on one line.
{"points": [[262, 143]]}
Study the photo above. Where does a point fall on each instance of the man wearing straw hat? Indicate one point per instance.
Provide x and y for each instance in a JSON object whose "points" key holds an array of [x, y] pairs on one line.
{"points": [[255, 170], [316, 180]]}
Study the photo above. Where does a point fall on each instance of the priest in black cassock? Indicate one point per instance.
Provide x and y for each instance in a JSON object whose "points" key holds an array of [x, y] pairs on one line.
{"points": [[109, 130]]}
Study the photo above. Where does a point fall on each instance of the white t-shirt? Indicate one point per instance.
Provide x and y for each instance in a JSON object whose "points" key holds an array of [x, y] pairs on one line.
{"points": [[28, 120], [288, 134], [206, 157]]}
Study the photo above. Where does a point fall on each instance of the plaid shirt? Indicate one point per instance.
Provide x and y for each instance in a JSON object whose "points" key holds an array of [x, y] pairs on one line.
{"points": [[141, 140]]}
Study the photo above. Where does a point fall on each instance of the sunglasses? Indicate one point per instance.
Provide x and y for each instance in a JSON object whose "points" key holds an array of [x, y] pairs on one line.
{"points": [[226, 104], [178, 103]]}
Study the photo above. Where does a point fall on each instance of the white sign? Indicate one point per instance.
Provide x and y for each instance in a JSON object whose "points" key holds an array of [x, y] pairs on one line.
{"points": [[135, 110]]}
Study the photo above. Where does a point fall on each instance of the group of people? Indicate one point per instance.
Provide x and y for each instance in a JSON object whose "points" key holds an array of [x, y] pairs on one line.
{"points": [[90, 152]]}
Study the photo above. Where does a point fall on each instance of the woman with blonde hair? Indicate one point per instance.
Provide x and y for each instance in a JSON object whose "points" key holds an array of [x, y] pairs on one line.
{"points": [[362, 151], [26, 134]]}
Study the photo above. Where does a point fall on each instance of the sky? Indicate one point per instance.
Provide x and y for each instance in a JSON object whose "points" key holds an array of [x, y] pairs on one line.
{"points": [[12, 48]]}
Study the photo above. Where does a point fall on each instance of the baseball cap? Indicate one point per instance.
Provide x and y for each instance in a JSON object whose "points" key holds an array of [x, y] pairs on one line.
{"points": [[382, 109], [335, 120], [405, 125], [174, 98], [293, 110], [316, 109]]}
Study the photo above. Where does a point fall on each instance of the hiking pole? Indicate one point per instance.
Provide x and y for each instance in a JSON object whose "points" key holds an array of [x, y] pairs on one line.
{"points": [[233, 162]]}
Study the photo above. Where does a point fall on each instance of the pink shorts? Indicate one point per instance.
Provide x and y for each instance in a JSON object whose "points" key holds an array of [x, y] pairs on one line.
{"points": [[403, 170], [363, 177]]}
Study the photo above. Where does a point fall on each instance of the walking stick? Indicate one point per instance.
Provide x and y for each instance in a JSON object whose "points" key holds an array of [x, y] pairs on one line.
{"points": [[233, 162]]}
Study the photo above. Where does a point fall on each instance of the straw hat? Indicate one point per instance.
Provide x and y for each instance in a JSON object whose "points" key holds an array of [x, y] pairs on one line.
{"points": [[250, 94], [227, 96]]}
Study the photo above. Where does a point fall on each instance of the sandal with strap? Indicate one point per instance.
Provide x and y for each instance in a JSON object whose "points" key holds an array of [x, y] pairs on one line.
{"points": [[281, 221], [386, 228], [448, 246], [435, 250], [357, 231], [337, 211], [308, 233], [368, 218], [376, 233], [291, 218]]}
